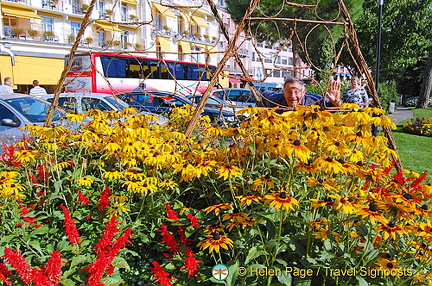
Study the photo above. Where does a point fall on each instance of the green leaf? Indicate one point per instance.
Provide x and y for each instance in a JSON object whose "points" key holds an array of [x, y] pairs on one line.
{"points": [[285, 279], [36, 245], [42, 230], [79, 259], [253, 253], [361, 281], [120, 262], [67, 282], [6, 239], [232, 274]]}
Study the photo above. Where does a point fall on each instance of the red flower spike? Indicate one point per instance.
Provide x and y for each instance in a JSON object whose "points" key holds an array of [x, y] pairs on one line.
{"points": [[70, 226], [5, 273], [83, 199], [161, 276], [171, 214], [194, 221], [169, 239], [103, 200], [191, 264], [21, 265]]}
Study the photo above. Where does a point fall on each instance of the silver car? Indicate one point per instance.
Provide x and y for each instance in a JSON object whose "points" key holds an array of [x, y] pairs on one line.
{"points": [[18, 110]]}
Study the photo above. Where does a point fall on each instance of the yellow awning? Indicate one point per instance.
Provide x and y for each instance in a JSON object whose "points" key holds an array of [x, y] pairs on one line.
{"points": [[212, 51], [200, 21], [19, 13], [185, 16], [165, 11], [185, 46], [26, 69], [51, 14], [198, 45], [132, 2], [107, 26], [77, 19], [164, 44]]}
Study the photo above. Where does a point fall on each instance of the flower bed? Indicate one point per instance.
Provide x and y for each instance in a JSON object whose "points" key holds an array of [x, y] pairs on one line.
{"points": [[419, 126], [306, 197]]}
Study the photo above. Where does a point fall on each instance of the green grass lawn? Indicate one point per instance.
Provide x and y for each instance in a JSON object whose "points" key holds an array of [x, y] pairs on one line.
{"points": [[415, 151]]}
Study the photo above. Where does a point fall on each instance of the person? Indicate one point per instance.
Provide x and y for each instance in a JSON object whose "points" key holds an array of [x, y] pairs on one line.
{"points": [[37, 90], [356, 93], [6, 88], [294, 93], [141, 87]]}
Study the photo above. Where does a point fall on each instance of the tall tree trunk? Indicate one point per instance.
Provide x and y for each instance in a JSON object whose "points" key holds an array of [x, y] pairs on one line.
{"points": [[426, 89]]}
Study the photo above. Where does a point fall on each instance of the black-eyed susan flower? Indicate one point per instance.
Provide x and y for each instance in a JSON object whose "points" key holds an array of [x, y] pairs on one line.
{"points": [[25, 156], [387, 263], [280, 200], [248, 199], [85, 181], [216, 227], [112, 175], [391, 229], [218, 207], [267, 180], [297, 150], [228, 171], [373, 213], [329, 165], [216, 241]]}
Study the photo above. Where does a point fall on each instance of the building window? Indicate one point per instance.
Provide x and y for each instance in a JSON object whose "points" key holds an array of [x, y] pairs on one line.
{"points": [[268, 72], [75, 26], [277, 73], [124, 17], [101, 39], [267, 60], [278, 59], [48, 24], [290, 61], [253, 56], [284, 61], [125, 39]]}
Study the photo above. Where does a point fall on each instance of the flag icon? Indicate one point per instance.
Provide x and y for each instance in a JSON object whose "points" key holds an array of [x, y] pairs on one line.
{"points": [[220, 272]]}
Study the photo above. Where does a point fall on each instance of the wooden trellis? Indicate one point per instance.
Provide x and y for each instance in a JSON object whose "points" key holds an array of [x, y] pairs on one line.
{"points": [[243, 26]]}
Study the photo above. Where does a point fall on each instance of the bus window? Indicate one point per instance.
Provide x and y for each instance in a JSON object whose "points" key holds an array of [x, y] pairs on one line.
{"points": [[163, 71], [133, 68], [192, 72], [154, 70], [113, 67], [179, 71]]}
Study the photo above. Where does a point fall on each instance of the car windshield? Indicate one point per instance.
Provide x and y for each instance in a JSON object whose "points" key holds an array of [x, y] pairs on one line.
{"points": [[33, 109], [116, 102]]}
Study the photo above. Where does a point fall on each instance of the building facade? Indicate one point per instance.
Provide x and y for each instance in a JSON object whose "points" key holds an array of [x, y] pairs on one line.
{"points": [[35, 36]]}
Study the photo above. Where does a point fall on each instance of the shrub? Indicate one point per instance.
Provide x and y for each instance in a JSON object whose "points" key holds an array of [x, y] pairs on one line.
{"points": [[419, 126], [388, 93], [305, 195]]}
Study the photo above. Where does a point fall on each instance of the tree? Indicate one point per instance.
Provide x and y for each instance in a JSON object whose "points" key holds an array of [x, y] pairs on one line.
{"points": [[315, 43], [426, 89]]}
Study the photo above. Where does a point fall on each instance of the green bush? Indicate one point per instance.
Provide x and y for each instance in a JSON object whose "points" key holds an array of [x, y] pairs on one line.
{"points": [[387, 92]]}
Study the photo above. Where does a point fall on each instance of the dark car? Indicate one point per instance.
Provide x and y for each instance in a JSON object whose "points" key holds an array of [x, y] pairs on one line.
{"points": [[164, 102], [236, 96]]}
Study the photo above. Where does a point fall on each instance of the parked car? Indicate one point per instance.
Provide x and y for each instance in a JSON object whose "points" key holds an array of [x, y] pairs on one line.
{"points": [[18, 110], [164, 102], [236, 96], [215, 103], [83, 102], [412, 101]]}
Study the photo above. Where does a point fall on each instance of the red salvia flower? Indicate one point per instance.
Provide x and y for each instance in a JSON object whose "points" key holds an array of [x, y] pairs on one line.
{"points": [[161, 276], [39, 279], [415, 185], [5, 273], [106, 252], [103, 200], [191, 264], [83, 199], [194, 221], [169, 239], [21, 265], [53, 268], [171, 214], [108, 235], [70, 226], [182, 236]]}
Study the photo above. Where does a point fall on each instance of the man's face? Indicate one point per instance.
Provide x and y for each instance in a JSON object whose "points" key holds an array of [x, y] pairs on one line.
{"points": [[8, 82], [293, 93]]}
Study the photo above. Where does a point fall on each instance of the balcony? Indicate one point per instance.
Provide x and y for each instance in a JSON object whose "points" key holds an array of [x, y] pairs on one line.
{"points": [[27, 2], [52, 5]]}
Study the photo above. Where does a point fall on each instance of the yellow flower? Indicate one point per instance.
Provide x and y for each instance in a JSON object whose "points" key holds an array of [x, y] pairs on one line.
{"points": [[25, 156], [85, 181], [391, 229], [118, 205], [280, 200], [248, 199], [329, 165], [229, 171], [299, 151], [112, 175], [214, 242], [218, 207], [78, 117]]}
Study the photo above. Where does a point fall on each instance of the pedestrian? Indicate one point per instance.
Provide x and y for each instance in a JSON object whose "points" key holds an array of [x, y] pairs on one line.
{"points": [[294, 93], [6, 88], [37, 90], [356, 93], [141, 87]]}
